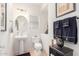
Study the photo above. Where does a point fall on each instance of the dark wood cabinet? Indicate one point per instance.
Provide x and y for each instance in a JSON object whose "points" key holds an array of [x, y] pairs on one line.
{"points": [[64, 51]]}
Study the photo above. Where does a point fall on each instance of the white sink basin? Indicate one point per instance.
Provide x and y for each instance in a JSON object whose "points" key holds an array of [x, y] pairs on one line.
{"points": [[21, 37]]}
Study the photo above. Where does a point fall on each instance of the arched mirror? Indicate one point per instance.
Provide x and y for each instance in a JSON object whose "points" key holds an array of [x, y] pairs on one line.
{"points": [[21, 24]]}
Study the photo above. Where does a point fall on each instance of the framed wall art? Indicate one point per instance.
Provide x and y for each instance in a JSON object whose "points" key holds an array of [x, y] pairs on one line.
{"points": [[3, 16], [64, 8]]}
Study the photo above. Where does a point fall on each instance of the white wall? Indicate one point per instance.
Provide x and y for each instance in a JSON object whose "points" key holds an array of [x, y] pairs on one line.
{"points": [[4, 36], [52, 18], [43, 22]]}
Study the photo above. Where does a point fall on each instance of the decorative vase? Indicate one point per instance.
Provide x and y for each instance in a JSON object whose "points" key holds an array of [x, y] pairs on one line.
{"points": [[60, 42]]}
